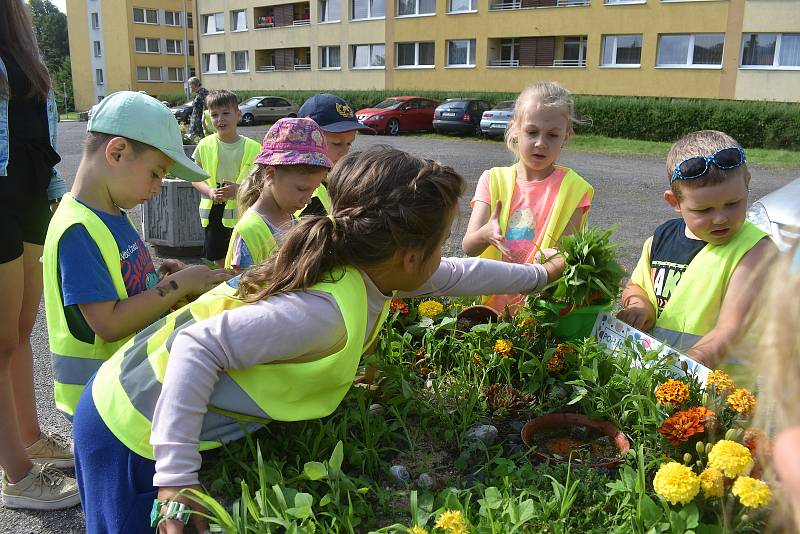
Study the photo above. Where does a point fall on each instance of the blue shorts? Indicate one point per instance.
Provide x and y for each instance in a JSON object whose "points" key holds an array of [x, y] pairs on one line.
{"points": [[116, 484]]}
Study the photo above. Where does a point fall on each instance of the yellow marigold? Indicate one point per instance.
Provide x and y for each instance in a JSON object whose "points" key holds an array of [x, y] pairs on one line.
{"points": [[503, 347], [452, 521], [527, 326], [730, 457], [712, 483], [417, 530], [430, 308], [477, 361], [676, 483], [751, 492], [673, 392], [720, 380], [741, 401]]}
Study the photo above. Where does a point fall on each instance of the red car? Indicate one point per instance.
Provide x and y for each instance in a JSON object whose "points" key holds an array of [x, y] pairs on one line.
{"points": [[399, 114]]}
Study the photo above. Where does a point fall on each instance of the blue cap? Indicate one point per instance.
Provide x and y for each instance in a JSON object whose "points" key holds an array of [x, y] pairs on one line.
{"points": [[331, 113]]}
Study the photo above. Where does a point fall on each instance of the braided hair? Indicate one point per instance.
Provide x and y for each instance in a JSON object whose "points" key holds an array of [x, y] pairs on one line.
{"points": [[382, 200]]}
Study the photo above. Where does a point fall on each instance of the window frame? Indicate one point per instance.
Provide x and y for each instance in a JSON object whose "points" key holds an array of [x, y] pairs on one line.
{"points": [[94, 20], [209, 54], [99, 77], [324, 50], [233, 18], [145, 11], [416, 12], [204, 22], [160, 74], [147, 41], [179, 70], [323, 10], [689, 53], [369, 16], [246, 61], [623, 2], [616, 65], [371, 66], [473, 9], [775, 55], [417, 64], [175, 14], [179, 48], [97, 49], [471, 52]]}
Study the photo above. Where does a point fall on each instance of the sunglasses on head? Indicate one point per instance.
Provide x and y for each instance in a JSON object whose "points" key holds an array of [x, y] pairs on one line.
{"points": [[697, 166]]}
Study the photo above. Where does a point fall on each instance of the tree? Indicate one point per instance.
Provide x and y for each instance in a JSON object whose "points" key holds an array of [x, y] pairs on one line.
{"points": [[50, 26], [62, 81]]}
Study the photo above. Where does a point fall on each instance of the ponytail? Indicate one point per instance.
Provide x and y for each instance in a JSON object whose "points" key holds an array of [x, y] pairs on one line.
{"points": [[251, 188]]}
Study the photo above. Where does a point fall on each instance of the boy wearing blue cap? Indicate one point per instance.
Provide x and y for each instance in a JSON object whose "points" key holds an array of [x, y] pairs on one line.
{"points": [[339, 126], [100, 283]]}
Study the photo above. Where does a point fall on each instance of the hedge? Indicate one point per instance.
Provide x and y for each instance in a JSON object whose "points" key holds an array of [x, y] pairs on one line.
{"points": [[753, 124]]}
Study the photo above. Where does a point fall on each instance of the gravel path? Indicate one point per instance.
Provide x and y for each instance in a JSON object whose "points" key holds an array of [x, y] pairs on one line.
{"points": [[627, 193]]}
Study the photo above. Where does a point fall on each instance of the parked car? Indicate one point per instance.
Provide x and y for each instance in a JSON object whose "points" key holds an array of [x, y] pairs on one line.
{"points": [[266, 109], [399, 114], [183, 112], [495, 121], [778, 214], [461, 115]]}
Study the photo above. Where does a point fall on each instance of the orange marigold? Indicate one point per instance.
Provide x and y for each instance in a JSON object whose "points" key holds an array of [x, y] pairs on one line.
{"points": [[398, 305], [556, 363], [741, 401], [563, 349], [685, 424], [672, 392], [503, 347]]}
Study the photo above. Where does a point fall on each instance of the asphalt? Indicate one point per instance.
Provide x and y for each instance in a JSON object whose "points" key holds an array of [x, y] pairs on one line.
{"points": [[627, 193]]}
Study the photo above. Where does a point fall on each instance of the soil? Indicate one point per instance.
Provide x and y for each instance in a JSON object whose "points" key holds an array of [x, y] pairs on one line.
{"points": [[586, 445]]}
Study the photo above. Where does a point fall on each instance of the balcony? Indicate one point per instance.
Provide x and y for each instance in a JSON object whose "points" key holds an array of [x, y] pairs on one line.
{"points": [[506, 5], [282, 16], [283, 59], [545, 51]]}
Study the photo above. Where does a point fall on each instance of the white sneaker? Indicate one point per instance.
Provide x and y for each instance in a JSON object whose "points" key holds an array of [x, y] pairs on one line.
{"points": [[52, 449], [44, 488]]}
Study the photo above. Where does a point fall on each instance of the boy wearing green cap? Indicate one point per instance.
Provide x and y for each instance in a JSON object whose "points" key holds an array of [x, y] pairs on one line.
{"points": [[100, 283]]}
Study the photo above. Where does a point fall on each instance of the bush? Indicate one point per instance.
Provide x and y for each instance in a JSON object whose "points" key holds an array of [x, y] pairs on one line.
{"points": [[753, 124]]}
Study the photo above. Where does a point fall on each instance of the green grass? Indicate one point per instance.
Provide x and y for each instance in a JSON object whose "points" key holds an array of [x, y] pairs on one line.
{"points": [[68, 116]]}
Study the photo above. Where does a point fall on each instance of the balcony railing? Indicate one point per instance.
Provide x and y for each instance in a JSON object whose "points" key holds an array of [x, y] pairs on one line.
{"points": [[505, 5], [569, 62], [266, 68], [504, 63], [301, 22], [568, 3], [303, 66]]}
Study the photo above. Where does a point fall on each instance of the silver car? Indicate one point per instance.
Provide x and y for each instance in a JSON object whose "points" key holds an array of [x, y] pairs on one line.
{"points": [[266, 109], [495, 121], [778, 214]]}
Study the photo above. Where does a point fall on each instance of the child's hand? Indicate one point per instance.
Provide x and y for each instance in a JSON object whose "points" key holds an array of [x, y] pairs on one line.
{"points": [[554, 264], [197, 279], [228, 190], [174, 526], [638, 314], [491, 231], [170, 267]]}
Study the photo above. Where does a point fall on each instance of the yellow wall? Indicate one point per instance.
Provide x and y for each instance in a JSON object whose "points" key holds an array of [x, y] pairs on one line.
{"points": [[82, 73]]}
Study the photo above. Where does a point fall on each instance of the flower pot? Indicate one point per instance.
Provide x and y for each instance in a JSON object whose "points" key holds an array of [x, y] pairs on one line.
{"points": [[575, 322], [566, 422], [475, 315]]}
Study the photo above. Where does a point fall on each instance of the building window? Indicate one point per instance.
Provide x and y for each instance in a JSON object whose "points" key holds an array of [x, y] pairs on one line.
{"points": [[415, 55], [213, 23], [574, 52], [145, 16], [685, 50], [213, 63], [98, 76], [462, 6], [239, 20], [95, 21], [174, 74], [174, 46], [240, 61], [329, 11], [192, 72], [191, 47], [148, 74], [189, 20], [509, 53], [172, 18], [147, 46], [369, 56], [408, 8], [775, 50], [622, 50], [329, 57], [368, 9], [97, 51], [461, 53]]}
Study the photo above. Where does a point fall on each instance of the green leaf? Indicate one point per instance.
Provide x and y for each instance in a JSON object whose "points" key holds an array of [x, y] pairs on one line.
{"points": [[315, 470], [335, 463]]}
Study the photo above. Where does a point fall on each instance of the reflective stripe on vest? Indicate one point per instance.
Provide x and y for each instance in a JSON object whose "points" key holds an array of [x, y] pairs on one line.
{"points": [[127, 387], [256, 235], [208, 155], [75, 361], [694, 305]]}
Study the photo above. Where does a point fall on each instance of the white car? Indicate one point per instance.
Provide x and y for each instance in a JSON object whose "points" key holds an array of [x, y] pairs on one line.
{"points": [[778, 214]]}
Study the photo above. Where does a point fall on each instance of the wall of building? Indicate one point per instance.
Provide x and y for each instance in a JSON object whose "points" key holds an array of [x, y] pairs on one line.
{"points": [[80, 54]]}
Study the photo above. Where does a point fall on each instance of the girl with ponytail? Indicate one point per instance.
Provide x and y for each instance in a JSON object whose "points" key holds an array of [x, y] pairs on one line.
{"points": [[283, 344]]}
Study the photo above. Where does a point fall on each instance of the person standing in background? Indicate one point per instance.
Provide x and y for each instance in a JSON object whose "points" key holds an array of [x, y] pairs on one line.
{"points": [[199, 105]]}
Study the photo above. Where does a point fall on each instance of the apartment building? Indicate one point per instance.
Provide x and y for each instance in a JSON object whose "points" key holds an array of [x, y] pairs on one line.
{"points": [[138, 45]]}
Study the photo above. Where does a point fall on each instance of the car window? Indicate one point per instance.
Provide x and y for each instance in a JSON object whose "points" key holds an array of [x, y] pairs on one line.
{"points": [[388, 103], [426, 104], [251, 102], [411, 104], [273, 102], [456, 104], [283, 103], [508, 104]]}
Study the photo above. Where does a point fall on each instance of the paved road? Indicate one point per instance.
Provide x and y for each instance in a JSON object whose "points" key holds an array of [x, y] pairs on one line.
{"points": [[627, 193]]}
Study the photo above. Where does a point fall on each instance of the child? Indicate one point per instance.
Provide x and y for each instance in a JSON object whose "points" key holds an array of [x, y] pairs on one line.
{"points": [[695, 279], [100, 283], [208, 124], [292, 164], [520, 210], [227, 157], [332, 280], [340, 125]]}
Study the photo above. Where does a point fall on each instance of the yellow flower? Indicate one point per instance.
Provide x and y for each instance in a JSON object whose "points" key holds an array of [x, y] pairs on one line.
{"points": [[556, 363], [477, 361], [452, 521], [503, 347], [730, 457], [676, 483], [720, 380], [741, 401], [711, 482], [673, 392], [430, 308], [751, 492], [417, 530]]}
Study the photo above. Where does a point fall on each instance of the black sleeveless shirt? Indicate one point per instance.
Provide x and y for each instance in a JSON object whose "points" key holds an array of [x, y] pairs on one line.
{"points": [[671, 252]]}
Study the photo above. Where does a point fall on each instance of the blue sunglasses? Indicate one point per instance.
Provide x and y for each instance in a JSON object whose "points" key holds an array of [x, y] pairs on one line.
{"points": [[697, 166]]}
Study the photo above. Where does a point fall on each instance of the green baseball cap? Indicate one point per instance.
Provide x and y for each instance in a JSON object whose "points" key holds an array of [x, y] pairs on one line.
{"points": [[143, 118]]}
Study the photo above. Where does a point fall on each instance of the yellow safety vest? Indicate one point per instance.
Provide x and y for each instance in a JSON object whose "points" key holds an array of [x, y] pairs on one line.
{"points": [[75, 361], [321, 192], [256, 235], [694, 304], [208, 155], [127, 386], [207, 124]]}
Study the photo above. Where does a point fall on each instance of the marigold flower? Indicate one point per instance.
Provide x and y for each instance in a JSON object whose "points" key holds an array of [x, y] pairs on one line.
{"points": [[720, 380], [676, 483], [452, 521], [741, 401], [672, 392], [398, 305], [420, 354], [477, 361], [712, 483], [685, 424], [757, 442], [563, 349], [417, 530], [430, 308], [730, 457], [503, 347], [527, 325], [556, 363], [752, 492]]}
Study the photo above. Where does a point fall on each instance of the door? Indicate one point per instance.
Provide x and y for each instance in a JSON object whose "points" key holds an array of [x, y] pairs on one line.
{"points": [[411, 117], [260, 110], [282, 108], [273, 108]]}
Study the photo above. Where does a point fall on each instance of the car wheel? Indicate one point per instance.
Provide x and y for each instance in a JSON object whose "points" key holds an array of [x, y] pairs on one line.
{"points": [[393, 127], [248, 119], [478, 130]]}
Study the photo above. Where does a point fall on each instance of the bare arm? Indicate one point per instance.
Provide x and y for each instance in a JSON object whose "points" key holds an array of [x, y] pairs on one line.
{"points": [[203, 187], [574, 224], [483, 229], [637, 310]]}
